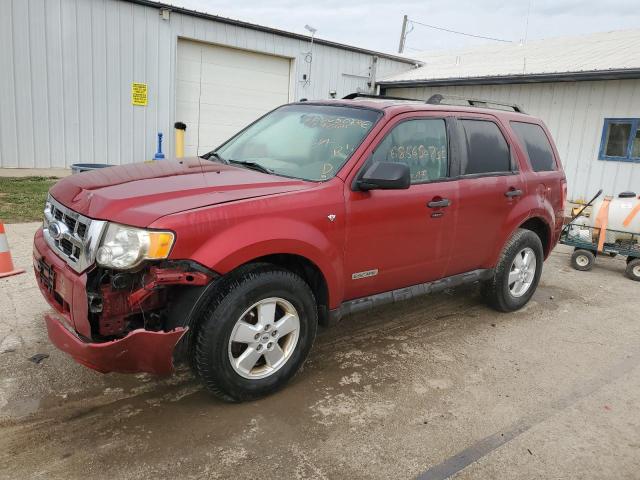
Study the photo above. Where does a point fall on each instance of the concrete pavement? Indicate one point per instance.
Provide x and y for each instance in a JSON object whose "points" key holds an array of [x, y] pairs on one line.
{"points": [[436, 387]]}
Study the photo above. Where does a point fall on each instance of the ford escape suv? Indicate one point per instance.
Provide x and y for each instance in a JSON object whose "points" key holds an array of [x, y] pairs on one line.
{"points": [[316, 210]]}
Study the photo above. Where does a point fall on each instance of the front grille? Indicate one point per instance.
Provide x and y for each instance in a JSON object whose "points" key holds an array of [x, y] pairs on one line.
{"points": [[67, 247], [70, 222], [72, 236]]}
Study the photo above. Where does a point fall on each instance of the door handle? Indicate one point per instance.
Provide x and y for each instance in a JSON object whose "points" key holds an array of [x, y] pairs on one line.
{"points": [[444, 202], [512, 192]]}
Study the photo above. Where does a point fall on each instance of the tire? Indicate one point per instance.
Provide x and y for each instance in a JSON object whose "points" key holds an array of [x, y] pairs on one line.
{"points": [[583, 260], [231, 313], [506, 296], [633, 270]]}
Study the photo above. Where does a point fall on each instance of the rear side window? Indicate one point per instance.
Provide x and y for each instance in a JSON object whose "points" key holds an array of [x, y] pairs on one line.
{"points": [[537, 145], [487, 150]]}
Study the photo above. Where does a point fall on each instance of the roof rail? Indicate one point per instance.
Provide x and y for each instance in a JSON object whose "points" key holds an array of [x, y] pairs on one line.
{"points": [[439, 99], [352, 96]]}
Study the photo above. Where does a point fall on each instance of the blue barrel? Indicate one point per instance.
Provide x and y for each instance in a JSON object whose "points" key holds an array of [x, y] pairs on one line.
{"points": [[85, 167]]}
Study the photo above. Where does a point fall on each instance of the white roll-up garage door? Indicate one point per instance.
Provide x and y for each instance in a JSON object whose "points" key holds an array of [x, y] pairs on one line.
{"points": [[221, 90]]}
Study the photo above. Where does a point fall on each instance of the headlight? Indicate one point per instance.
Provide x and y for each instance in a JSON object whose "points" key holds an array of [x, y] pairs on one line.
{"points": [[125, 247]]}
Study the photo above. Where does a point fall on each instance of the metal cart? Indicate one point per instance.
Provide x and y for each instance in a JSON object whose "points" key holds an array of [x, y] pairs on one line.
{"points": [[588, 245]]}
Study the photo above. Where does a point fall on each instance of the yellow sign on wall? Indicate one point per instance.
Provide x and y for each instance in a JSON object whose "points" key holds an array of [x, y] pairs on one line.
{"points": [[139, 94]]}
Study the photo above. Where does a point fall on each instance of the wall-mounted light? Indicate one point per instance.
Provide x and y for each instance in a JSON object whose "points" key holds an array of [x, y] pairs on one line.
{"points": [[308, 56], [165, 13], [332, 94]]}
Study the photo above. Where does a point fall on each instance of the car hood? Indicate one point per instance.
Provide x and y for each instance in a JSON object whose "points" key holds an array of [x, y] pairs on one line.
{"points": [[138, 194]]}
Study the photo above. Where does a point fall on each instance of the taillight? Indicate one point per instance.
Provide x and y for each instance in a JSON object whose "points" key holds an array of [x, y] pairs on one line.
{"points": [[564, 193]]}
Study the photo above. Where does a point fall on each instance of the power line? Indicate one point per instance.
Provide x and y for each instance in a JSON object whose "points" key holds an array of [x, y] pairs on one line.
{"points": [[460, 33], [526, 27]]}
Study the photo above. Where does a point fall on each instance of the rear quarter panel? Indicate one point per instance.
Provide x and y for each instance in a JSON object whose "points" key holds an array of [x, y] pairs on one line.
{"points": [[548, 186], [543, 198]]}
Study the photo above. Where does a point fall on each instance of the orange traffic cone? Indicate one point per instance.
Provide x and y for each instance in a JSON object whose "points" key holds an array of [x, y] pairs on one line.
{"points": [[6, 264]]}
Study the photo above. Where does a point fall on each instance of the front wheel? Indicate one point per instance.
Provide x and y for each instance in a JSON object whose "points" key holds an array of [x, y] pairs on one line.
{"points": [[256, 334], [517, 273]]}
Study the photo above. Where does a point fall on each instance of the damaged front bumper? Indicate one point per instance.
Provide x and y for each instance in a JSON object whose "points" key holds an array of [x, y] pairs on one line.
{"points": [[140, 351], [107, 341]]}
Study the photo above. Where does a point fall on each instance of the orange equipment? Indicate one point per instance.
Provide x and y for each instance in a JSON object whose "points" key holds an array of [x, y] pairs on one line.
{"points": [[6, 264]]}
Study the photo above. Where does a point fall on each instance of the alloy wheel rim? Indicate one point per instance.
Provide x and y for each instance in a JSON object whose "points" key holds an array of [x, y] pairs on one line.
{"points": [[522, 272], [264, 338]]}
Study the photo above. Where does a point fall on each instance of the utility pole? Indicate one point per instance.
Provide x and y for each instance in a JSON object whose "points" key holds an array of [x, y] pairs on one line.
{"points": [[373, 69], [403, 35]]}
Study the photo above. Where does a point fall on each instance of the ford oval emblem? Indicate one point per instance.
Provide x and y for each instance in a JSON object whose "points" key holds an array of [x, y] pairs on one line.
{"points": [[55, 230]]}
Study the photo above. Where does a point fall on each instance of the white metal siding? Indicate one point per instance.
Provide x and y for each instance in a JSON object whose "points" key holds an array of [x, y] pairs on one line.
{"points": [[575, 113], [66, 68]]}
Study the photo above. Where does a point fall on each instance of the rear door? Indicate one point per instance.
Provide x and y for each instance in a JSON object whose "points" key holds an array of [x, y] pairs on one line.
{"points": [[491, 185], [397, 238]]}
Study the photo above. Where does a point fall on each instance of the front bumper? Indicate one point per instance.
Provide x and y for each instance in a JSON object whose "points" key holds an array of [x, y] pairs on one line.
{"points": [[69, 329], [140, 351]]}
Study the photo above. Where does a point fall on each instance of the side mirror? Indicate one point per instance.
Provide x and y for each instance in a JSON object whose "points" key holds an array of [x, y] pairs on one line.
{"points": [[385, 176]]}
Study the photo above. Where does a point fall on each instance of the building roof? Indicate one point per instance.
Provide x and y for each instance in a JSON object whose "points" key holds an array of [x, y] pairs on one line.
{"points": [[262, 28], [606, 55]]}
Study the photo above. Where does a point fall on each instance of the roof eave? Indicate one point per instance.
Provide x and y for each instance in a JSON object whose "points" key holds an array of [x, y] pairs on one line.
{"points": [[275, 31], [619, 74]]}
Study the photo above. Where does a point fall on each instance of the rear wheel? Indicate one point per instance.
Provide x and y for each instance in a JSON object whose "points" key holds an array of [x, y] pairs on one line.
{"points": [[633, 269], [517, 273], [583, 260], [255, 334]]}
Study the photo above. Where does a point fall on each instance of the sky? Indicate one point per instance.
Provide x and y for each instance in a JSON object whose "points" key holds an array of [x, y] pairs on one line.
{"points": [[376, 24]]}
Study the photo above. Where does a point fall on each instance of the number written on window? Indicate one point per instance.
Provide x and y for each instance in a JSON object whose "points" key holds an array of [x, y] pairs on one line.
{"points": [[421, 144]]}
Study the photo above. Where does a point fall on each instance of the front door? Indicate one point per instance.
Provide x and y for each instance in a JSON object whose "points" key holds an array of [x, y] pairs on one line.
{"points": [[398, 238]]}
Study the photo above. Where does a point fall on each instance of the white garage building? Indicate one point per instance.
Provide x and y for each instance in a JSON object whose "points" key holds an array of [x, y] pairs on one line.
{"points": [[93, 81], [586, 89]]}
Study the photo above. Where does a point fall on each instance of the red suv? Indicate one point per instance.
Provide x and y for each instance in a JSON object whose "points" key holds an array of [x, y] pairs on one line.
{"points": [[316, 210]]}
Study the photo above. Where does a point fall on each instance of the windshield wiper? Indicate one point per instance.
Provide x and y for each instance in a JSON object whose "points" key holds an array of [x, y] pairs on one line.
{"points": [[214, 155], [251, 165]]}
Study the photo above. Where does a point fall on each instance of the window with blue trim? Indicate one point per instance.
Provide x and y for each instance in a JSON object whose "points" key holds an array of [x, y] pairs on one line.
{"points": [[620, 140]]}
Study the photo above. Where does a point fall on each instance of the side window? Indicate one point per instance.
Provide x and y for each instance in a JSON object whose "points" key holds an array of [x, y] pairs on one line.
{"points": [[487, 150], [537, 145], [421, 144]]}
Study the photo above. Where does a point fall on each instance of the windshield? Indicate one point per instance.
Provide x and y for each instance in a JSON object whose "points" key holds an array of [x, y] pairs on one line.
{"points": [[311, 142]]}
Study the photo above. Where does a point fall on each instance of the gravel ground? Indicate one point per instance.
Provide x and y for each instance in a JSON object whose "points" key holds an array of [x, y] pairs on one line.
{"points": [[436, 387]]}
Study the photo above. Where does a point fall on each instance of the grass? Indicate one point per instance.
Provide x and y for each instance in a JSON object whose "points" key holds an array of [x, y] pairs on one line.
{"points": [[22, 198]]}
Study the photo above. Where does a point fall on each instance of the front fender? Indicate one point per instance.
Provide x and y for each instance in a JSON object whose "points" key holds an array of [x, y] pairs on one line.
{"points": [[257, 238]]}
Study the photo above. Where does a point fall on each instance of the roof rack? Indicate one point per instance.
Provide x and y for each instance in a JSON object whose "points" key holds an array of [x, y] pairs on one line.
{"points": [[352, 96], [439, 99]]}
